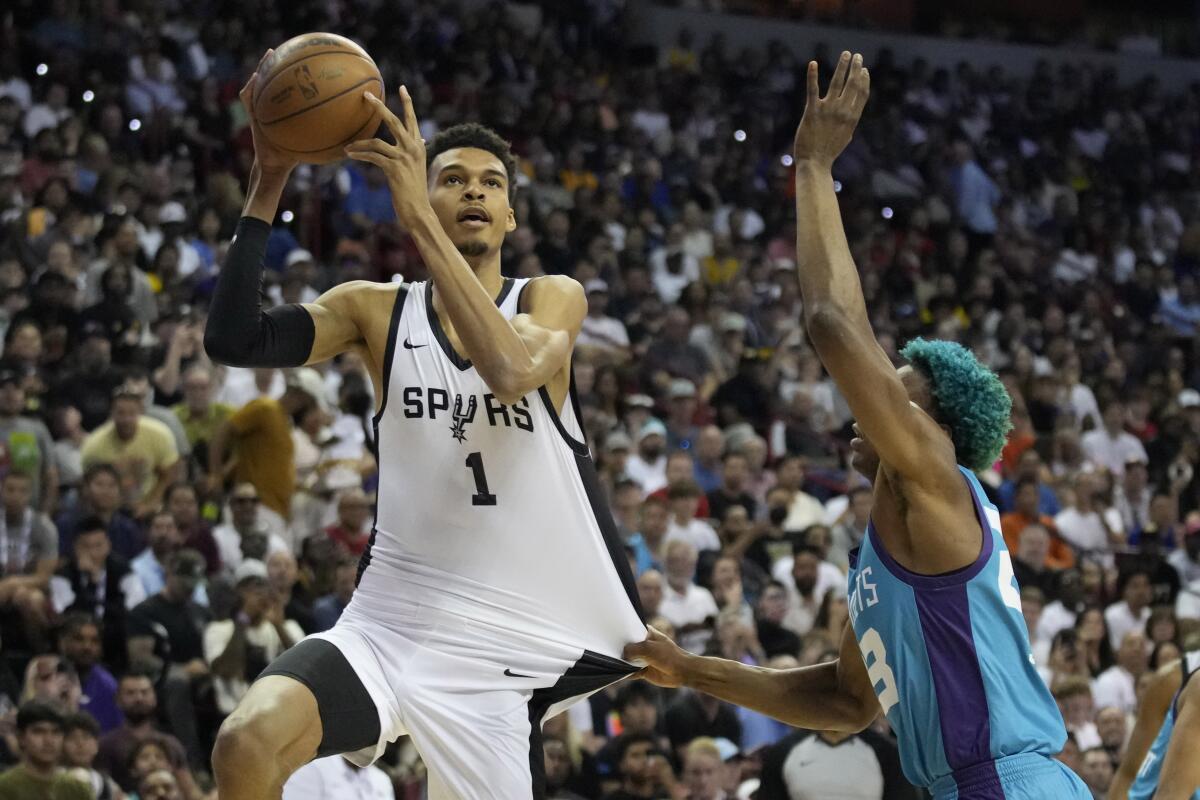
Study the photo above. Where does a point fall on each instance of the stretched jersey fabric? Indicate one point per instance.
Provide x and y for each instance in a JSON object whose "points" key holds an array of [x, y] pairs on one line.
{"points": [[950, 660], [1146, 782]]}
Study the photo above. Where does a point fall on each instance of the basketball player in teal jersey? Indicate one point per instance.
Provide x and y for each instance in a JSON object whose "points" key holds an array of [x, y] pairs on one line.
{"points": [[1166, 738], [936, 638]]}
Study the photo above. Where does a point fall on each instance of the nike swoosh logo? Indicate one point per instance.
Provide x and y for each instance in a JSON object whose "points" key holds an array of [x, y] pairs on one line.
{"points": [[410, 346], [509, 673]]}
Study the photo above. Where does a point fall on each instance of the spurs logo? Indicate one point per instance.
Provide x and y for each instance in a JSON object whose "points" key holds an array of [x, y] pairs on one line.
{"points": [[461, 420]]}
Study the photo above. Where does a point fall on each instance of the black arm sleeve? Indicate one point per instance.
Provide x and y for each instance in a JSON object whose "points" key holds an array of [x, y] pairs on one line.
{"points": [[239, 332]]}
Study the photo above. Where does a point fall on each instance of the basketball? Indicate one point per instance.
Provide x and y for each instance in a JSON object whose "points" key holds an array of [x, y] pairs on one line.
{"points": [[309, 101]]}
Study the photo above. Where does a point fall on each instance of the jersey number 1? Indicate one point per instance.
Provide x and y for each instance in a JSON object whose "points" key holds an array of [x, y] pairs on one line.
{"points": [[482, 496]]}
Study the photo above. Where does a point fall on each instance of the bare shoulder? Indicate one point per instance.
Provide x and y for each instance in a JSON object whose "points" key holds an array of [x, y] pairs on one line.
{"points": [[552, 289]]}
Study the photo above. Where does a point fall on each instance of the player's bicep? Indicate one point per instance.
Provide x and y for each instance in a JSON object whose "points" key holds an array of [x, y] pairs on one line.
{"points": [[335, 321], [898, 430]]}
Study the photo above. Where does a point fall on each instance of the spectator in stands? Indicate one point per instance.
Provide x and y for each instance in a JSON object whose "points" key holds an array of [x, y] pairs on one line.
{"points": [[648, 466], [79, 644], [327, 609], [803, 509], [141, 449], [1074, 698], [1186, 560], [39, 776], [735, 471], [81, 743], [1133, 609], [807, 579], [1029, 467], [1029, 560], [690, 608], [703, 770], [1110, 446], [607, 335], [692, 714], [245, 535], [198, 413], [27, 445], [1113, 726], [1085, 523], [138, 702], [651, 590], [638, 706], [150, 566], [650, 541], [161, 784], [180, 655], [848, 531], [1132, 495], [684, 499], [334, 776], [30, 553], [351, 531], [101, 497], [240, 648], [1117, 685], [645, 774], [1096, 769], [283, 575], [1025, 512], [709, 446], [197, 534]]}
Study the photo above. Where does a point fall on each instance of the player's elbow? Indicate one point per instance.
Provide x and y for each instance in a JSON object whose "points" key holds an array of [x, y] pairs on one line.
{"points": [[223, 348], [827, 323]]}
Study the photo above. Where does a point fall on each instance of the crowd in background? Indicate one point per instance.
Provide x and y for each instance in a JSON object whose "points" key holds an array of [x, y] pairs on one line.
{"points": [[169, 525]]}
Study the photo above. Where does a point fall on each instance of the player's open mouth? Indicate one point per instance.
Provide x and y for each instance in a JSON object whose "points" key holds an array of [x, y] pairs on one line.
{"points": [[474, 217]]}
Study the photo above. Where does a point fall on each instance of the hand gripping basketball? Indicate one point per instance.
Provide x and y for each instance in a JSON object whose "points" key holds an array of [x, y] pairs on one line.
{"points": [[403, 163], [269, 157], [829, 122]]}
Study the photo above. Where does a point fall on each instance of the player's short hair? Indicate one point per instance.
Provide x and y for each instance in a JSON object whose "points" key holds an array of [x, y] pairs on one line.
{"points": [[969, 397], [481, 137]]}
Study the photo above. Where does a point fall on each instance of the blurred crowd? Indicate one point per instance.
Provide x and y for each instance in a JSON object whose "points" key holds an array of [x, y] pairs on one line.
{"points": [[169, 525]]}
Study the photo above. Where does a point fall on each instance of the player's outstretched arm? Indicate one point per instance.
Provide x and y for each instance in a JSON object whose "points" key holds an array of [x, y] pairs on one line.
{"points": [[1180, 777], [834, 696], [512, 358], [240, 332], [834, 310], [1155, 704]]}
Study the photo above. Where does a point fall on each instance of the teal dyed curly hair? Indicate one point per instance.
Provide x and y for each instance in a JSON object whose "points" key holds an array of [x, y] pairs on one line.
{"points": [[970, 399]]}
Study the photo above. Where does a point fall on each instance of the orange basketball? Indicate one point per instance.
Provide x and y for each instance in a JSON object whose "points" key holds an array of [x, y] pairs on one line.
{"points": [[309, 100]]}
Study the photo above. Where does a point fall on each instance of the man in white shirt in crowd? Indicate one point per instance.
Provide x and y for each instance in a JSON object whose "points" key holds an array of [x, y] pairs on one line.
{"points": [[1085, 523], [244, 536], [1117, 685], [684, 499], [1132, 610], [807, 579], [804, 510], [335, 777], [690, 608], [599, 330], [648, 466], [1111, 446], [1186, 558]]}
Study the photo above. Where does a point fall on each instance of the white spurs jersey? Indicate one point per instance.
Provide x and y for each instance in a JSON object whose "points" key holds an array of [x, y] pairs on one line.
{"points": [[489, 512]]}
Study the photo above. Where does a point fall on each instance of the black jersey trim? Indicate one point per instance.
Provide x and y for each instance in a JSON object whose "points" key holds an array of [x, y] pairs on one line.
{"points": [[613, 542], [389, 354], [592, 672], [580, 448], [439, 332]]}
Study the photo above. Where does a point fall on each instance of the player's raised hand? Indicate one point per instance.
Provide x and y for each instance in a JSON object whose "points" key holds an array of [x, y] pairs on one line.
{"points": [[664, 659], [270, 158], [403, 163], [829, 121]]}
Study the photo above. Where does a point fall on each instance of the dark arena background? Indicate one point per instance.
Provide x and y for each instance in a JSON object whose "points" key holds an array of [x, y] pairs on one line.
{"points": [[1024, 180]]}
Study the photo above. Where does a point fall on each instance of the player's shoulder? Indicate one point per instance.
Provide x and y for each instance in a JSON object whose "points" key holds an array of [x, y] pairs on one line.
{"points": [[551, 289]]}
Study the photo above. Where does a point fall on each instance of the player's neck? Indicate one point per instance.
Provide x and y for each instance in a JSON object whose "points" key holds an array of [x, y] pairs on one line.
{"points": [[486, 269]]}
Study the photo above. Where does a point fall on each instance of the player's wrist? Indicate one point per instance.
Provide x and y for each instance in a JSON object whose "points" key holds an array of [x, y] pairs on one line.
{"points": [[812, 166]]}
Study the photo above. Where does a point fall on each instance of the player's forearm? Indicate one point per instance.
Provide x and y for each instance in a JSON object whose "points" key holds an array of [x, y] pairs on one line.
{"points": [[808, 697], [828, 278], [493, 346]]}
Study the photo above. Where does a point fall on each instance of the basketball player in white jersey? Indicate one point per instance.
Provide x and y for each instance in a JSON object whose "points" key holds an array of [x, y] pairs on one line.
{"points": [[494, 591]]}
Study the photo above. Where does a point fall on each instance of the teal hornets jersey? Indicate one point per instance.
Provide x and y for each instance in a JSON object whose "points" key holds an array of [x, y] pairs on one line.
{"points": [[950, 660], [1146, 782]]}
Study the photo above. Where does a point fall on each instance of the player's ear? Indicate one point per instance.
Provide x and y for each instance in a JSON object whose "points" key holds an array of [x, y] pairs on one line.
{"points": [[510, 224]]}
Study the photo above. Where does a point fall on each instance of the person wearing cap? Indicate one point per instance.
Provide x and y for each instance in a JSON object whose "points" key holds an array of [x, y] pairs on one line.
{"points": [[172, 221], [142, 450], [259, 435], [26, 443], [599, 331], [681, 412], [296, 283], [240, 648], [648, 466], [180, 657]]}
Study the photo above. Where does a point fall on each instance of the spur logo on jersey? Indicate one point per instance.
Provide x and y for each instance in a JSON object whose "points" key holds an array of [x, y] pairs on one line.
{"points": [[461, 420], [425, 402]]}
